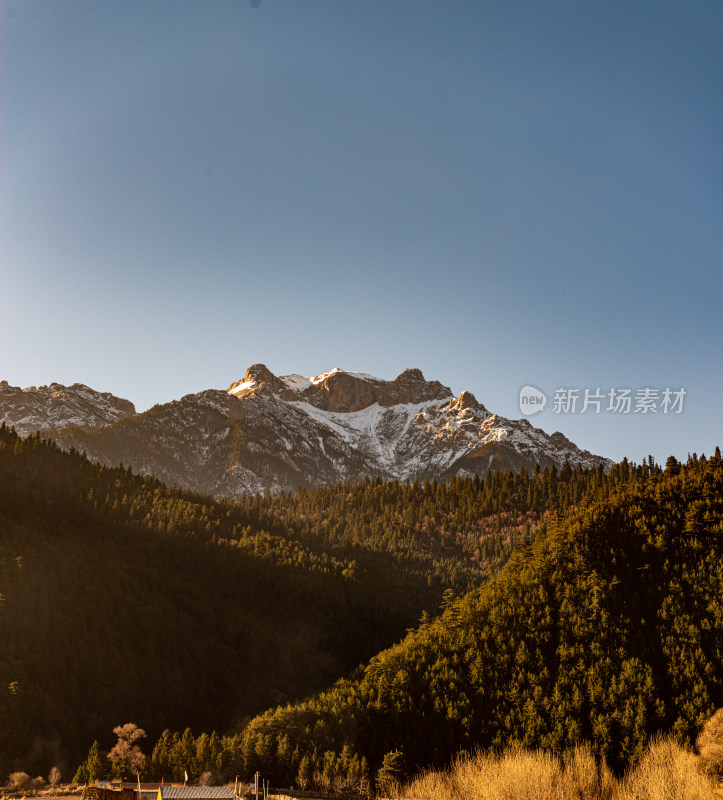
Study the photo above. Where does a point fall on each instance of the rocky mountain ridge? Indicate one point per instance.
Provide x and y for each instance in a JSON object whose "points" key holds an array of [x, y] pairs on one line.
{"points": [[54, 407], [278, 433]]}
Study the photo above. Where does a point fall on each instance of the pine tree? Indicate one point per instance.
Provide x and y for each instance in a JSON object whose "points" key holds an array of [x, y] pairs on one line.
{"points": [[305, 773], [93, 768], [392, 772]]}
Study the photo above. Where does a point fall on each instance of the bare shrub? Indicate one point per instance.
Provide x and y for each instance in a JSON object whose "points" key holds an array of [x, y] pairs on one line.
{"points": [[667, 772], [54, 776], [320, 781], [363, 786], [710, 745], [206, 779], [340, 784], [18, 781], [126, 754]]}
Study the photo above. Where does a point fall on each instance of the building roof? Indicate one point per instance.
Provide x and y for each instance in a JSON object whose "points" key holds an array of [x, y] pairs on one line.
{"points": [[114, 784], [197, 792]]}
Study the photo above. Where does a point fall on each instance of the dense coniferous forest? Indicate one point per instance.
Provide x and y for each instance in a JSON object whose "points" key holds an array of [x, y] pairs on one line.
{"points": [[607, 629], [122, 599], [476, 521]]}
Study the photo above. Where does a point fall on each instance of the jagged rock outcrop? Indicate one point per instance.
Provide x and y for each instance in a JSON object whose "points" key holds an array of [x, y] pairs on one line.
{"points": [[268, 432], [342, 392], [258, 379]]}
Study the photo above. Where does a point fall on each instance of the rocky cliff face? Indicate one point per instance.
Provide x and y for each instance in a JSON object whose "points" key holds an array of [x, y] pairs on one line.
{"points": [[282, 432]]}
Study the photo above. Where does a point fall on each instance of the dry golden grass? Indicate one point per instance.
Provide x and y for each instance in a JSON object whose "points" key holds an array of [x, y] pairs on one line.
{"points": [[517, 774], [666, 772], [710, 745], [430, 785]]}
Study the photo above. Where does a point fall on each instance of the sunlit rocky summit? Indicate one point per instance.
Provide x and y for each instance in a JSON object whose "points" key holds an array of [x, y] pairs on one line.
{"points": [[278, 433]]}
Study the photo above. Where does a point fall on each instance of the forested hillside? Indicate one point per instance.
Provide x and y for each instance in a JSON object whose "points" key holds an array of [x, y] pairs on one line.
{"points": [[607, 629], [122, 599], [472, 520]]}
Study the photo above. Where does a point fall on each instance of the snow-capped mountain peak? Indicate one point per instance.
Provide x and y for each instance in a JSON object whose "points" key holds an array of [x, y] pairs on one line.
{"points": [[282, 432]]}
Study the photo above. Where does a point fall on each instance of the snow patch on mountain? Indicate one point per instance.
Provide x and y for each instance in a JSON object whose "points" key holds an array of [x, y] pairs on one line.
{"points": [[374, 431], [243, 386], [365, 376], [297, 383]]}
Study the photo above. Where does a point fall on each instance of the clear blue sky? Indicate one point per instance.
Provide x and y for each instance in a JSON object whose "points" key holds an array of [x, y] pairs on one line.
{"points": [[498, 193]]}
